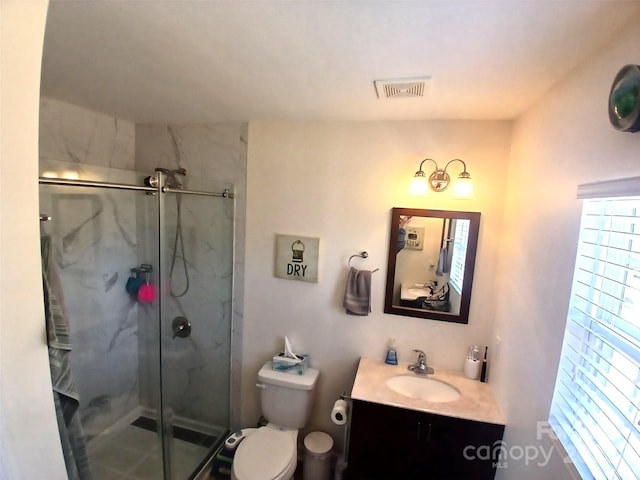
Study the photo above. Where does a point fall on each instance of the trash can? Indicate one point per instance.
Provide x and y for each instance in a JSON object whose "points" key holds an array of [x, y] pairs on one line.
{"points": [[317, 456]]}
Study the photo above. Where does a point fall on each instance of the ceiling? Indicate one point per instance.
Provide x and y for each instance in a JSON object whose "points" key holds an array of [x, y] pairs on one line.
{"points": [[160, 61]]}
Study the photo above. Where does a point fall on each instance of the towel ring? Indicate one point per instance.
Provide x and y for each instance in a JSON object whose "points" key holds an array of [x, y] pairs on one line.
{"points": [[361, 255]]}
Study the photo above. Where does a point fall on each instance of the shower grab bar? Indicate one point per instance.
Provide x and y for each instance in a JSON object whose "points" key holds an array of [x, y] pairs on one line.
{"points": [[124, 186]]}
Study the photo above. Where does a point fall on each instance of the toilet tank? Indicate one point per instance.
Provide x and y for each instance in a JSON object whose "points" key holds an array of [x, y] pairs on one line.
{"points": [[286, 398]]}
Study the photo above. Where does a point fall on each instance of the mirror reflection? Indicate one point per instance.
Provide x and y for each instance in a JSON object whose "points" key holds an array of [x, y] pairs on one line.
{"points": [[431, 263]]}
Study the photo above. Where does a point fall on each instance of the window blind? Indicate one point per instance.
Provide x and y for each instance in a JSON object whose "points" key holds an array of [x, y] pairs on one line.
{"points": [[460, 240], [596, 404]]}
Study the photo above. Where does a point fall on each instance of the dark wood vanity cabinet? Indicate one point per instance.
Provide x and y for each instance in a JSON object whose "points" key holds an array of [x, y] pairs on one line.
{"points": [[388, 443]]}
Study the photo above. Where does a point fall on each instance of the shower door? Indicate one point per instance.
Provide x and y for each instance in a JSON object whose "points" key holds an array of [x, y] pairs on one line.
{"points": [[98, 237], [153, 393], [195, 303]]}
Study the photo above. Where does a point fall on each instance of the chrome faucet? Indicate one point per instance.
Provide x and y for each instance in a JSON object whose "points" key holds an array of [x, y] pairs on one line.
{"points": [[431, 286], [420, 367]]}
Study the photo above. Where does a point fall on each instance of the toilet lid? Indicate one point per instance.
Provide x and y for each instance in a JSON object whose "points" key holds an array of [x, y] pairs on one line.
{"points": [[264, 455]]}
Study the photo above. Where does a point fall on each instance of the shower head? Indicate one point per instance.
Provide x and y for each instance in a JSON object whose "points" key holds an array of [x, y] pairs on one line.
{"points": [[167, 171], [172, 181]]}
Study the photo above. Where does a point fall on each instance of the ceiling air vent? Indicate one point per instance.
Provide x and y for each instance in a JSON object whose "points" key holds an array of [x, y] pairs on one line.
{"points": [[404, 88]]}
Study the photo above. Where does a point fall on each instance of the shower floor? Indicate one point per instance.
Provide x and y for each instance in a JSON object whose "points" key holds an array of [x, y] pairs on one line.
{"points": [[133, 452]]}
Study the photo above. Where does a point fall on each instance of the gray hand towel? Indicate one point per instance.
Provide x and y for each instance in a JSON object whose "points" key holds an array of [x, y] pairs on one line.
{"points": [[443, 262], [357, 294]]}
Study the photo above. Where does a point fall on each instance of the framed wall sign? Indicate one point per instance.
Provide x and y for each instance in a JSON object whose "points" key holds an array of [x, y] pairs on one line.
{"points": [[414, 239], [297, 257]]}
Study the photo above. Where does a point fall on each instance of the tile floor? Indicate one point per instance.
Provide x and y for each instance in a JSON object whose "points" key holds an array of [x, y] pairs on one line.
{"points": [[134, 453]]}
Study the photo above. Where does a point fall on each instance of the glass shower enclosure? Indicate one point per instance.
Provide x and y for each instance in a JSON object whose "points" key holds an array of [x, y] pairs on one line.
{"points": [[145, 269]]}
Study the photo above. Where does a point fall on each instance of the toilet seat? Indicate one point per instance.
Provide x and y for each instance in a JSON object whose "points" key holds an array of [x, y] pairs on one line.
{"points": [[267, 454]]}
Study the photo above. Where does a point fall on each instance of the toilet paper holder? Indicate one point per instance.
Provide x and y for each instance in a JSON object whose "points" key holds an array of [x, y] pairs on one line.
{"points": [[339, 412]]}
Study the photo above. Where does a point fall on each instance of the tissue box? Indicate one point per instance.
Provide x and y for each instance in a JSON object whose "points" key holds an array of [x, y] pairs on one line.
{"points": [[293, 366]]}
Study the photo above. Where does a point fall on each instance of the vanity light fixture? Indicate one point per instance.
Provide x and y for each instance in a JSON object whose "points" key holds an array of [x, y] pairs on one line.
{"points": [[439, 180]]}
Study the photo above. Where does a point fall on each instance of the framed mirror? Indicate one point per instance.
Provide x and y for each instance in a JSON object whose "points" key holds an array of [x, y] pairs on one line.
{"points": [[432, 256]]}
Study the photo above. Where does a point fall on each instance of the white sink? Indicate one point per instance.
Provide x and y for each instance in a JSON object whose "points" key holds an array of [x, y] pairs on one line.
{"points": [[423, 388], [419, 292], [413, 291]]}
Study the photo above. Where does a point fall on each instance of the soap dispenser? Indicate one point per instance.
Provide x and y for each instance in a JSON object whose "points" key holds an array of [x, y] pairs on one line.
{"points": [[392, 356]]}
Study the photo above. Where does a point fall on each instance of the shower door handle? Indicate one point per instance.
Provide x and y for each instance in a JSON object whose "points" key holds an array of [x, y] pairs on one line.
{"points": [[181, 327]]}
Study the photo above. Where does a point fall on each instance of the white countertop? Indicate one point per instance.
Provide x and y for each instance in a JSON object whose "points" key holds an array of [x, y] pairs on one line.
{"points": [[476, 402]]}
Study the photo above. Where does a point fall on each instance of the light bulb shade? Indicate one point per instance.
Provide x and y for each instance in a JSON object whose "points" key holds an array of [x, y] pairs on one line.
{"points": [[463, 186], [419, 185]]}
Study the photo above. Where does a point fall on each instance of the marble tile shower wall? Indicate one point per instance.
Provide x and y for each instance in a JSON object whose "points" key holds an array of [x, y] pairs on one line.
{"points": [[94, 234], [84, 139]]}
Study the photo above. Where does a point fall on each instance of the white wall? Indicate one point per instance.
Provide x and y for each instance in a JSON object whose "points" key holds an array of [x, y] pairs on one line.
{"points": [[338, 182], [562, 142], [29, 441]]}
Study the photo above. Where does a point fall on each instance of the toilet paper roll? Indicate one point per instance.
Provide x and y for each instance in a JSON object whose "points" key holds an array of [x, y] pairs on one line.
{"points": [[472, 368], [339, 412]]}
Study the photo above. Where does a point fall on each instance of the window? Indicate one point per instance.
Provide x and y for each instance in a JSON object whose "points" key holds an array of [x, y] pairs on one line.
{"points": [[460, 240], [596, 404]]}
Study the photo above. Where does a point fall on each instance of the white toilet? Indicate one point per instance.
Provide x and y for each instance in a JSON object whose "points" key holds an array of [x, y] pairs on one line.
{"points": [[270, 453]]}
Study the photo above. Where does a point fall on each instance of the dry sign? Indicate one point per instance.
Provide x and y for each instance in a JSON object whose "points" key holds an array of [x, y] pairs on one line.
{"points": [[297, 258]]}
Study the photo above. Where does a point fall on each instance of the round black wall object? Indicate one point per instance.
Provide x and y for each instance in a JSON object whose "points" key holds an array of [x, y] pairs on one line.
{"points": [[624, 99]]}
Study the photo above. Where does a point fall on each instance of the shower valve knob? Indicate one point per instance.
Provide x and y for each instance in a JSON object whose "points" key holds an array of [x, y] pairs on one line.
{"points": [[181, 327]]}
